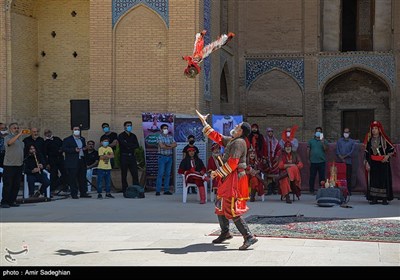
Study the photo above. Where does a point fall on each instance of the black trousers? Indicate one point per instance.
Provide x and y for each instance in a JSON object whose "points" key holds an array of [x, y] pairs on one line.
{"points": [[11, 183], [77, 179], [57, 165], [128, 161]]}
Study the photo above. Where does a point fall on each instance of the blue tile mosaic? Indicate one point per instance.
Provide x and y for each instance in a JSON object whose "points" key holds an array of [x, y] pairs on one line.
{"points": [[382, 64], [207, 60], [257, 67], [120, 7]]}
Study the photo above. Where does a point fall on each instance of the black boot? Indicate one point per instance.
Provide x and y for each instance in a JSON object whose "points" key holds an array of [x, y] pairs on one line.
{"points": [[243, 228], [225, 234], [384, 201]]}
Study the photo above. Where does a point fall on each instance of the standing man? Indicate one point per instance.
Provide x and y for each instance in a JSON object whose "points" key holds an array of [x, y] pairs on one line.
{"points": [[112, 138], [316, 154], [166, 144], [55, 159], [344, 151], [234, 191], [288, 135], [13, 165], [75, 165], [128, 142], [3, 134], [36, 140]]}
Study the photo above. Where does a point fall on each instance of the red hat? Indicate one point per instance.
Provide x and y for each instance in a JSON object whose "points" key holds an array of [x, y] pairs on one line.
{"points": [[288, 144], [191, 149]]}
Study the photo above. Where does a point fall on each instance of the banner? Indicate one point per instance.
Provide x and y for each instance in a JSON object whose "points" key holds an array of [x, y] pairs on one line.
{"points": [[185, 126], [151, 123], [225, 123]]}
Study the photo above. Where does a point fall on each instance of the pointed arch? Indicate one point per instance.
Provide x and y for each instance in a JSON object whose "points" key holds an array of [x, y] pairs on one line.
{"points": [[353, 98], [140, 52]]}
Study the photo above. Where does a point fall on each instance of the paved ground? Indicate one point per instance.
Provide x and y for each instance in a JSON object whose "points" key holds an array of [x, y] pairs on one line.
{"points": [[162, 231]]}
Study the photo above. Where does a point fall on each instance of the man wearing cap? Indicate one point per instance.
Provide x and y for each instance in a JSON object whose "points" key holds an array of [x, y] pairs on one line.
{"points": [[233, 193], [194, 170], [166, 144]]}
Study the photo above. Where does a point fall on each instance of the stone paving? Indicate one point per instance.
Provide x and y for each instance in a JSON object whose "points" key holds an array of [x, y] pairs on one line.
{"points": [[163, 231]]}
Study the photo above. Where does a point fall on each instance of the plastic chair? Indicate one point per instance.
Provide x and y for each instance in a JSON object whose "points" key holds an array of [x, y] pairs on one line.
{"points": [[37, 184], [186, 187]]}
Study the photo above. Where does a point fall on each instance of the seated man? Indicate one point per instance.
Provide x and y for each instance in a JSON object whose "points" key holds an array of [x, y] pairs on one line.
{"points": [[290, 179], [195, 172], [34, 164], [253, 171], [215, 162]]}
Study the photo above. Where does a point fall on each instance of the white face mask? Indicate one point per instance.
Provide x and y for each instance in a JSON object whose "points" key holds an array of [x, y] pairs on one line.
{"points": [[232, 132], [346, 135], [288, 133], [165, 131], [77, 132], [3, 132]]}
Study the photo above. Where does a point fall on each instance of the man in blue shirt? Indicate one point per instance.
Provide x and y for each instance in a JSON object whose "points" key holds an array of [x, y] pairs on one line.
{"points": [[344, 151]]}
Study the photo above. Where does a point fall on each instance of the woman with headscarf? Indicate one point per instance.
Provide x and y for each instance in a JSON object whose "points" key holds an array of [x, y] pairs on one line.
{"points": [[378, 151], [289, 166]]}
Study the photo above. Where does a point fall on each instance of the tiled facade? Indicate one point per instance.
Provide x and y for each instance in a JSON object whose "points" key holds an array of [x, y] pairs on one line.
{"points": [[129, 61]]}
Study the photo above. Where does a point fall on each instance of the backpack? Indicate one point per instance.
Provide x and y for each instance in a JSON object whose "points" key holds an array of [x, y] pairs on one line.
{"points": [[329, 197], [134, 191]]}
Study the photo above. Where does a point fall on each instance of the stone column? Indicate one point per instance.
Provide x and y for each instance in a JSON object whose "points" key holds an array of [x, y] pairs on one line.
{"points": [[383, 25], [331, 25]]}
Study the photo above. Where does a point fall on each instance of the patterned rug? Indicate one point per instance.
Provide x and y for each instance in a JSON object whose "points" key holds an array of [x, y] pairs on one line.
{"points": [[373, 230]]}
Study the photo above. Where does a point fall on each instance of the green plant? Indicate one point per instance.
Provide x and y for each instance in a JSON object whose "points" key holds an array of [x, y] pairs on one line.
{"points": [[140, 157]]}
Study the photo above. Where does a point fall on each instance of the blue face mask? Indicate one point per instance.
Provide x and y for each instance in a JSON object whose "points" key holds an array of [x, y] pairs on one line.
{"points": [[106, 129], [317, 134], [105, 143], [129, 128]]}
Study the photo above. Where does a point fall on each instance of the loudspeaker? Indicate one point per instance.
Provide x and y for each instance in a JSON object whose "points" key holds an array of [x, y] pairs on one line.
{"points": [[80, 113]]}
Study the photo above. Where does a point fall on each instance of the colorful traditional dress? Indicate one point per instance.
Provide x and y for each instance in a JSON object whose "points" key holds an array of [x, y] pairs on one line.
{"points": [[233, 192]]}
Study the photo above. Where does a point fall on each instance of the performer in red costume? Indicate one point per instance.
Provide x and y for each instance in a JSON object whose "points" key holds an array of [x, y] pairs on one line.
{"points": [[195, 172], [233, 192], [200, 52]]}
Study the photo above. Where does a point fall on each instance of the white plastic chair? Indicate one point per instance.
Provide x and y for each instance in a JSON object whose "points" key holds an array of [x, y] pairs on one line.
{"points": [[186, 187], [37, 184], [89, 178]]}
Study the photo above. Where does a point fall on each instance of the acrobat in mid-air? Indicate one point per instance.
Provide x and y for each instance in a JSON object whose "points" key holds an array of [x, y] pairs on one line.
{"points": [[200, 52]]}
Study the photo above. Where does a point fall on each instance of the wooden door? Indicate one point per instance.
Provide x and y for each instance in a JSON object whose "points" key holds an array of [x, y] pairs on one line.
{"points": [[358, 122]]}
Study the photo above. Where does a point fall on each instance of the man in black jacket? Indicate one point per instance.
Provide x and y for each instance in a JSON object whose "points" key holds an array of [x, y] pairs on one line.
{"points": [[75, 165]]}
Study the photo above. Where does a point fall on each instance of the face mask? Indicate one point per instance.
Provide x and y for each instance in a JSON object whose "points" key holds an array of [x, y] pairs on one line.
{"points": [[77, 132], [129, 128], [106, 129], [105, 143], [232, 132], [165, 131], [254, 130], [288, 134], [346, 135], [3, 132], [49, 137], [191, 142], [317, 134]]}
